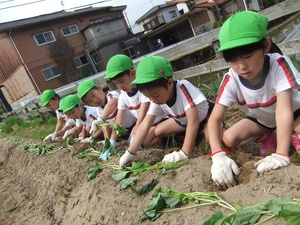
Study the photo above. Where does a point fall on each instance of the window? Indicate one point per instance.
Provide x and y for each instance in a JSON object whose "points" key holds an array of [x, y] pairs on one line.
{"points": [[96, 58], [173, 14], [80, 61], [44, 38], [69, 30], [51, 73]]}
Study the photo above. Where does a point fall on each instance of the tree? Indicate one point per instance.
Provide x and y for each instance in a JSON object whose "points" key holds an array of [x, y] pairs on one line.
{"points": [[62, 54]]}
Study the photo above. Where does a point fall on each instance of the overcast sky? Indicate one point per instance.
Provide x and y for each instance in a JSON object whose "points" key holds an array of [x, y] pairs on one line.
{"points": [[18, 9]]}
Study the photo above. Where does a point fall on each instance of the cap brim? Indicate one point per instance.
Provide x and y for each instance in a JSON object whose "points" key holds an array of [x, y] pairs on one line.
{"points": [[238, 43]]}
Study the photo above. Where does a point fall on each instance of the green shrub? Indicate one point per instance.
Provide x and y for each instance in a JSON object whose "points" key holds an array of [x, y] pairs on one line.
{"points": [[13, 121]]}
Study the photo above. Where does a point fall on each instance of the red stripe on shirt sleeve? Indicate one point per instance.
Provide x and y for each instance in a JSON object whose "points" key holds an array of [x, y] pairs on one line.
{"points": [[222, 87], [288, 71], [187, 95]]}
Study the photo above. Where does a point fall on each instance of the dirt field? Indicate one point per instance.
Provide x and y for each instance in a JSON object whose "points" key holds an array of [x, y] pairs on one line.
{"points": [[46, 190]]}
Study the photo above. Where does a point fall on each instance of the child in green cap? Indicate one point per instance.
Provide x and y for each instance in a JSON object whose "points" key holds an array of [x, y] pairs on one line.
{"points": [[185, 105], [84, 116], [50, 100], [132, 104], [264, 85], [106, 103]]}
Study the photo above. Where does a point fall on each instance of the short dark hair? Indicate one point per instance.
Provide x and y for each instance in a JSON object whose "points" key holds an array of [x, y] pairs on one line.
{"points": [[55, 96], [161, 82], [231, 54], [126, 72]]}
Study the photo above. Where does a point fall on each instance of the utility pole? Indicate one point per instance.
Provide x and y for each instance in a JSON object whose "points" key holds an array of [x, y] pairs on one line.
{"points": [[244, 1], [218, 10]]}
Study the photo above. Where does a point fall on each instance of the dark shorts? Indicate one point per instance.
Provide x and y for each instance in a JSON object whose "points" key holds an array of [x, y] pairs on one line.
{"points": [[296, 114], [202, 124]]}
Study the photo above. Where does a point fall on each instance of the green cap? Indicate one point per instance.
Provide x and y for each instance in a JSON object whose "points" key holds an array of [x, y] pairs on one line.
{"points": [[118, 64], [241, 29], [46, 96], [152, 68], [84, 87], [68, 102]]}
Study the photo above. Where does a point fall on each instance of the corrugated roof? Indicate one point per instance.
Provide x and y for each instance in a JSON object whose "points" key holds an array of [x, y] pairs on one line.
{"points": [[53, 16], [154, 10]]}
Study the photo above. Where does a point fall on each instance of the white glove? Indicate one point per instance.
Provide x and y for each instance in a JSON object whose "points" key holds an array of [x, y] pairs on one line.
{"points": [[86, 140], [222, 169], [175, 156], [127, 157], [79, 139], [272, 162], [49, 137], [95, 125], [68, 133]]}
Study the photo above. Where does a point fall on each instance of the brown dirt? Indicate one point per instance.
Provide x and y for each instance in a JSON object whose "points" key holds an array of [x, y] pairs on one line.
{"points": [[38, 190]]}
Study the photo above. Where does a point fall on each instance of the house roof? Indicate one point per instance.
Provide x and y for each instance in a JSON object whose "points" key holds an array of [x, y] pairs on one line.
{"points": [[209, 4], [154, 10], [176, 1], [54, 16], [172, 23]]}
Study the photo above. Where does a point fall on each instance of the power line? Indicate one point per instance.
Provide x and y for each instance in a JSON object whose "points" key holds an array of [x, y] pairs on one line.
{"points": [[28, 3], [6, 1], [89, 4]]}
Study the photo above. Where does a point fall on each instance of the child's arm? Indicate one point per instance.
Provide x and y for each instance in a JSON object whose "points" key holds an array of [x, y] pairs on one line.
{"points": [[141, 134], [191, 130], [284, 126], [109, 108], [119, 120], [223, 167], [189, 139], [142, 113]]}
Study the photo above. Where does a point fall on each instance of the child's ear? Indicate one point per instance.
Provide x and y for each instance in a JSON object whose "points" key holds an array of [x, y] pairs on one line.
{"points": [[133, 73], [99, 88], [268, 44]]}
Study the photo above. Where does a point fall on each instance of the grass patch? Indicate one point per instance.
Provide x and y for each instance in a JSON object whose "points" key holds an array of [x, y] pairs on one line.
{"points": [[35, 127]]}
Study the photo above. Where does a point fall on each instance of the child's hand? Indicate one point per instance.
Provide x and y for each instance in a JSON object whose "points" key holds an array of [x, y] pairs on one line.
{"points": [[95, 125], [68, 133], [223, 168], [104, 156], [127, 157], [272, 162], [50, 137], [86, 140], [79, 139], [175, 156]]}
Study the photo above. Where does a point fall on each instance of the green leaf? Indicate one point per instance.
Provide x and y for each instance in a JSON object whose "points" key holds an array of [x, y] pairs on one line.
{"points": [[291, 214], [121, 175], [171, 201], [162, 171], [246, 216], [219, 219], [214, 218], [138, 167], [146, 188], [275, 205], [128, 182], [93, 171]]}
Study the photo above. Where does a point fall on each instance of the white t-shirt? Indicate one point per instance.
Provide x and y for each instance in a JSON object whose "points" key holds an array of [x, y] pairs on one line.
{"points": [[259, 101], [132, 102], [90, 115], [186, 95], [69, 122]]}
